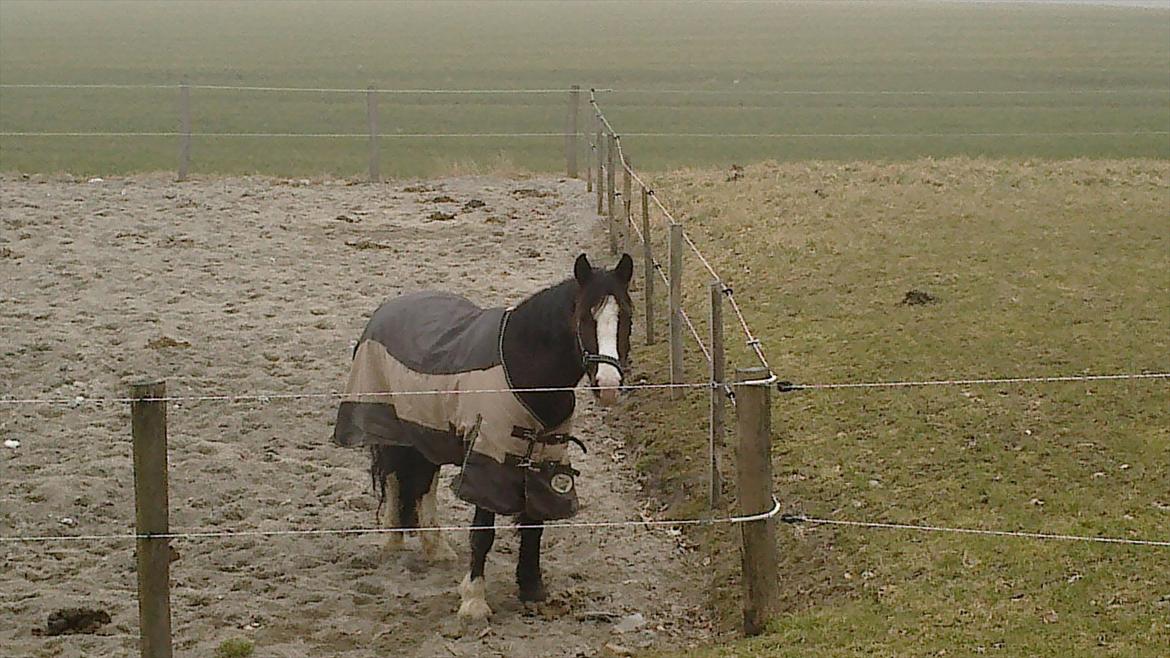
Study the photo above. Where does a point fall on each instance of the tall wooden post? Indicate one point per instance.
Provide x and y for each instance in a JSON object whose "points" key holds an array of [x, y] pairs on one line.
{"points": [[648, 266], [571, 132], [372, 119], [677, 373], [611, 193], [148, 422], [600, 168], [185, 131], [754, 466], [627, 204], [718, 379], [589, 165]]}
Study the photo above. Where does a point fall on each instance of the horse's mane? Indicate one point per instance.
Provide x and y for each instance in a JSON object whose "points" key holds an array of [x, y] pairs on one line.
{"points": [[548, 308], [539, 338]]}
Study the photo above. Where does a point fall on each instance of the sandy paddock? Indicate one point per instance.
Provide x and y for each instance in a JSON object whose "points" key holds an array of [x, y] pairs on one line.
{"points": [[257, 285]]}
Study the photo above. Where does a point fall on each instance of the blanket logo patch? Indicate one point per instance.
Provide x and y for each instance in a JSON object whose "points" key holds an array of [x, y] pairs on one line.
{"points": [[562, 483]]}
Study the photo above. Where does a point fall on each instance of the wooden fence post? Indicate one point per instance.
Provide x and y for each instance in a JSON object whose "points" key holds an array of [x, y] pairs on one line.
{"points": [[627, 204], [754, 466], [676, 344], [600, 168], [185, 130], [589, 164], [611, 193], [571, 132], [648, 266], [718, 393], [148, 423], [372, 118]]}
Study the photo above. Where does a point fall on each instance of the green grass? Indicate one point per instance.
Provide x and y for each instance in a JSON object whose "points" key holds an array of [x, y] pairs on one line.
{"points": [[235, 648], [1039, 268], [739, 49]]}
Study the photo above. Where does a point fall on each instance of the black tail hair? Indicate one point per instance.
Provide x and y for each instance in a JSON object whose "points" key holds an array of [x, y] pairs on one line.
{"points": [[414, 473]]}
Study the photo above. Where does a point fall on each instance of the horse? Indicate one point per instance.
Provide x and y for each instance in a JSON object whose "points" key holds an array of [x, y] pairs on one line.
{"points": [[496, 417]]}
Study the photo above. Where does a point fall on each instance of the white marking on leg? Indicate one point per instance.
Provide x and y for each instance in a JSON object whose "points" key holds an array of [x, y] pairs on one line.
{"points": [[389, 517], [435, 545], [473, 599], [608, 377]]}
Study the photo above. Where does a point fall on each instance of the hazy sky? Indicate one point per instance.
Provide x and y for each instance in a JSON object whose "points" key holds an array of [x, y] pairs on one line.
{"points": [[1160, 4]]}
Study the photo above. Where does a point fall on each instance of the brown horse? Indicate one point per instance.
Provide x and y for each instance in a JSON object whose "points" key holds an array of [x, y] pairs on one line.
{"points": [[510, 438]]}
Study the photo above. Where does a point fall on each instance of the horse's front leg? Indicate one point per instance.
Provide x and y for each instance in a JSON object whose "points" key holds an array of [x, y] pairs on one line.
{"points": [[472, 593], [528, 574]]}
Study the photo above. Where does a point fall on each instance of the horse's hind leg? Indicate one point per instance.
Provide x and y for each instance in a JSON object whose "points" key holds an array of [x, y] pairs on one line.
{"points": [[392, 515], [383, 471], [434, 544], [472, 592]]}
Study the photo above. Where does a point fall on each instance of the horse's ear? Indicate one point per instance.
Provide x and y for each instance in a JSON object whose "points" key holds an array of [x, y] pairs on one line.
{"points": [[582, 270], [625, 269]]}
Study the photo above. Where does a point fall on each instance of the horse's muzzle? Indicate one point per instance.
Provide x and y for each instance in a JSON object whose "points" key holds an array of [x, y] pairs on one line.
{"points": [[608, 381], [608, 395]]}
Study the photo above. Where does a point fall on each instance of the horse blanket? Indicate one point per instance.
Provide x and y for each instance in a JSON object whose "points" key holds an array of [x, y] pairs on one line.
{"points": [[434, 341]]}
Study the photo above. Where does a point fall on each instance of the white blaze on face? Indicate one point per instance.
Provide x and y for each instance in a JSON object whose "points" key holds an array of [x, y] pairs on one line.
{"points": [[608, 377]]}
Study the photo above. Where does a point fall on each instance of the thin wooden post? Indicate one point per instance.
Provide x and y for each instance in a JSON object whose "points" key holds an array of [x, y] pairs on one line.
{"points": [[611, 192], [627, 204], [754, 466], [148, 423], [589, 165], [571, 132], [676, 326], [375, 151], [600, 168], [648, 266], [718, 377], [185, 130]]}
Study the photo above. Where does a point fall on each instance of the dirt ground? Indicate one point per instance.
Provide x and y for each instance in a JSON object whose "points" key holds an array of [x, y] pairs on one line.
{"points": [[249, 285]]}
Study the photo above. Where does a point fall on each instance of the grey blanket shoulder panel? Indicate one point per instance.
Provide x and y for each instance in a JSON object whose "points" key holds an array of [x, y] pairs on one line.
{"points": [[437, 333]]}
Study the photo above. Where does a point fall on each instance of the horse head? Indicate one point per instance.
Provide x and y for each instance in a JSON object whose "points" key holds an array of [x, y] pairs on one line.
{"points": [[602, 317]]}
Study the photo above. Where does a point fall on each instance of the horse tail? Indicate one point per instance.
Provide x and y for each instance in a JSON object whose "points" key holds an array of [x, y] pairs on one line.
{"points": [[381, 466]]}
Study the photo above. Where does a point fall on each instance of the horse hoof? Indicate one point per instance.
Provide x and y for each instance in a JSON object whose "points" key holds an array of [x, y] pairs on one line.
{"points": [[395, 542], [438, 550], [474, 605], [533, 594], [474, 610]]}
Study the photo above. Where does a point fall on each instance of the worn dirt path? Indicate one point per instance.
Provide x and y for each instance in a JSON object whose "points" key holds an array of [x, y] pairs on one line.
{"points": [[253, 285]]}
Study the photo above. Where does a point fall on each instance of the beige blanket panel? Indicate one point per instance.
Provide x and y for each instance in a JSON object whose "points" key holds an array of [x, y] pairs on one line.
{"points": [[500, 412], [375, 371]]}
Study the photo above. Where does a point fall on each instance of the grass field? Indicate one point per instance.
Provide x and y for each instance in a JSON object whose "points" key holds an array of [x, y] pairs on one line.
{"points": [[744, 52], [1037, 268]]}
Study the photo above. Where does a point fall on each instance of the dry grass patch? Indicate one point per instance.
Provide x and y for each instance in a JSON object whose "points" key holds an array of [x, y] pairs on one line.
{"points": [[1034, 268]]}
